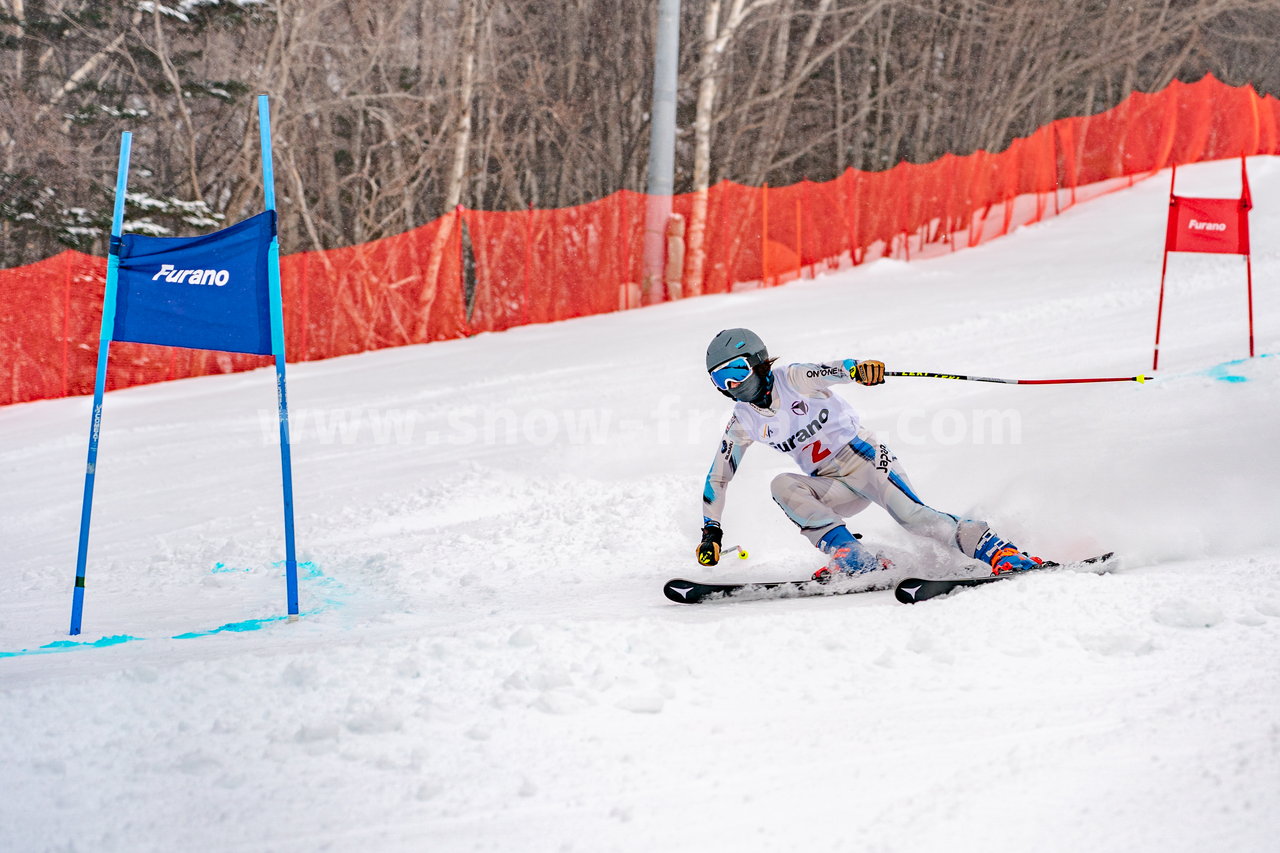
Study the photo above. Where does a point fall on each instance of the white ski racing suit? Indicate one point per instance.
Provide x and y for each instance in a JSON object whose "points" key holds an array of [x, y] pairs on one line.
{"points": [[846, 467]]}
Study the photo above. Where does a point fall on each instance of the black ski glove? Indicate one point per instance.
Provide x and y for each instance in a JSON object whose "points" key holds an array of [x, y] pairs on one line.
{"points": [[709, 547]]}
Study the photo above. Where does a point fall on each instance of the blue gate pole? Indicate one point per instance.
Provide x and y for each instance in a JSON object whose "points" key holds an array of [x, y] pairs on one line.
{"points": [[277, 349], [100, 381]]}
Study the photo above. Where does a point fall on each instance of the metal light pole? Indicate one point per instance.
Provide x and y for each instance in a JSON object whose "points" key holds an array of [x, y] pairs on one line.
{"points": [[662, 144]]}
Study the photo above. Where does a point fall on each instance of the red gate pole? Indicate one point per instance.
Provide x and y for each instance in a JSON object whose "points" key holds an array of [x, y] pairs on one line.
{"points": [[1248, 265], [1155, 355], [1246, 204], [1164, 268]]}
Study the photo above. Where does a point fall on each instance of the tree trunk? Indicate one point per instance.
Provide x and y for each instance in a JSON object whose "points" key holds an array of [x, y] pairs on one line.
{"points": [[458, 168], [717, 36]]}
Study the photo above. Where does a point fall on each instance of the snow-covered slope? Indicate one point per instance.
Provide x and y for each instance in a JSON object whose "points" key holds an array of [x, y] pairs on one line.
{"points": [[486, 661]]}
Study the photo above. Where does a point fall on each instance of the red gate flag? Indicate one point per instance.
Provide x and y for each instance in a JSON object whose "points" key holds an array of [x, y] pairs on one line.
{"points": [[1212, 225]]}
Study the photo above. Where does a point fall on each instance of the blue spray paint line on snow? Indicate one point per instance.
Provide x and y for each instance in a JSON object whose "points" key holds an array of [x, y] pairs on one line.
{"points": [[309, 571], [330, 591], [72, 645], [319, 582], [1226, 371], [333, 595], [238, 627]]}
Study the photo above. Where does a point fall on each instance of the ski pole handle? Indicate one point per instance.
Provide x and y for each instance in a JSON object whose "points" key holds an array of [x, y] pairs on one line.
{"points": [[1140, 378]]}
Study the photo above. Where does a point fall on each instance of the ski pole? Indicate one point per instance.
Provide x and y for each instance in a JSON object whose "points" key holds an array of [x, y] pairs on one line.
{"points": [[1140, 378], [724, 552], [742, 552]]}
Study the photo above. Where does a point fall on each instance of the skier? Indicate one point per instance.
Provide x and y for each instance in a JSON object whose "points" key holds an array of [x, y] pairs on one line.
{"points": [[793, 410]]}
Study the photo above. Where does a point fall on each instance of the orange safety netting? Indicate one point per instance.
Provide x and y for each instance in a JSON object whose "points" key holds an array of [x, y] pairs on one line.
{"points": [[537, 266]]}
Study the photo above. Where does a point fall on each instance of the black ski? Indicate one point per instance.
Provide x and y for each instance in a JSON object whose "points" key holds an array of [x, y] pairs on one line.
{"points": [[914, 590], [684, 591]]}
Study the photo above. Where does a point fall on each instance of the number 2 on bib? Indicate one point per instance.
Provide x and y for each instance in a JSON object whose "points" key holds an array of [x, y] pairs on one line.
{"points": [[817, 452]]}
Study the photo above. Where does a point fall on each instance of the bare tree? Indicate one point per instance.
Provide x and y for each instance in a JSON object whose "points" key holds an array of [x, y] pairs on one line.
{"points": [[717, 37], [471, 17], [388, 115]]}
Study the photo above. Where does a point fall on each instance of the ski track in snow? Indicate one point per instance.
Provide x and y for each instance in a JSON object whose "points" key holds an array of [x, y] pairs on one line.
{"points": [[486, 661]]}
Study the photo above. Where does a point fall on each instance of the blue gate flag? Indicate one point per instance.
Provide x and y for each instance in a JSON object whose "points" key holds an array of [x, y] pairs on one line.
{"points": [[216, 292], [208, 292]]}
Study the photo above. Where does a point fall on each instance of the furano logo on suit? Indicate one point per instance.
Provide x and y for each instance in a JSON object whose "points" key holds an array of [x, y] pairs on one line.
{"points": [[168, 272]]}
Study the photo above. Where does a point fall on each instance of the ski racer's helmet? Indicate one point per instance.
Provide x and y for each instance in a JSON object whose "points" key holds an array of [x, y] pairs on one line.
{"points": [[738, 363]]}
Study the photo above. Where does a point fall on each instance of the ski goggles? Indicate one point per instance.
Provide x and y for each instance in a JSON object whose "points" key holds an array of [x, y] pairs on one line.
{"points": [[731, 374]]}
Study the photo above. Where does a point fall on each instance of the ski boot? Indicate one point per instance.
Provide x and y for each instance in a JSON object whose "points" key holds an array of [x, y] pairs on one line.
{"points": [[848, 557], [1002, 555]]}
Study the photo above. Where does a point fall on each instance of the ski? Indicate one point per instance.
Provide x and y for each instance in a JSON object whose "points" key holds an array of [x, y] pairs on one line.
{"points": [[684, 591], [914, 590], [908, 590]]}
